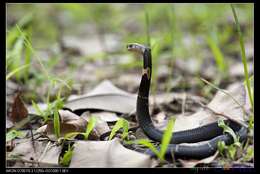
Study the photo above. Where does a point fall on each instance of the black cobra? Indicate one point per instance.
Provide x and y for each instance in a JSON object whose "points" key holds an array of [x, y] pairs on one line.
{"points": [[211, 132]]}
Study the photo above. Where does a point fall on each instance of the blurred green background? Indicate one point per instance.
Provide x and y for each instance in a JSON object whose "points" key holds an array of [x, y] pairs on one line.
{"points": [[200, 32]]}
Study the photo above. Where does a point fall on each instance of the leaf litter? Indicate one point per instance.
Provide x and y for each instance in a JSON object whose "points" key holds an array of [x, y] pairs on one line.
{"points": [[108, 154], [71, 122], [104, 97]]}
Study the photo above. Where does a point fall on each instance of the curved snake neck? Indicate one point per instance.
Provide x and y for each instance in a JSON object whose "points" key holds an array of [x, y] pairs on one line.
{"points": [[211, 131]]}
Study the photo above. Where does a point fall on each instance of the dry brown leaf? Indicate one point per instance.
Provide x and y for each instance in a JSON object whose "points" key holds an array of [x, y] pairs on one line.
{"points": [[101, 126], [69, 122], [104, 116], [8, 123], [169, 97], [160, 120], [19, 111], [28, 150], [45, 154], [224, 104], [42, 129], [104, 97], [160, 117], [105, 87], [107, 154], [9, 145], [67, 116], [50, 158], [221, 103], [193, 163]]}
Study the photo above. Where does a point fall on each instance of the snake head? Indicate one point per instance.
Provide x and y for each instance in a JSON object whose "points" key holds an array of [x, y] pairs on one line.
{"points": [[137, 48]]}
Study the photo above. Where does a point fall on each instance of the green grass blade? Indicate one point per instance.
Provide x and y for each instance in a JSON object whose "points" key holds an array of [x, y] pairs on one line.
{"points": [[37, 108], [29, 45], [119, 124], [166, 137], [56, 123], [249, 154], [11, 37], [227, 129], [221, 147], [9, 75], [125, 129], [71, 134], [90, 126], [232, 150], [147, 26], [13, 34], [243, 54], [28, 54], [65, 161], [12, 134], [147, 143], [61, 81], [165, 141], [16, 56], [219, 58]]}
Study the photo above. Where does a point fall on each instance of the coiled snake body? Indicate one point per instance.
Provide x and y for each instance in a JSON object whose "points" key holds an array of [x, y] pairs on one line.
{"points": [[211, 132]]}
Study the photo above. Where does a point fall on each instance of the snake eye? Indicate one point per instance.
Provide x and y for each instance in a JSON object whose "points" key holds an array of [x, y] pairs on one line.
{"points": [[129, 46]]}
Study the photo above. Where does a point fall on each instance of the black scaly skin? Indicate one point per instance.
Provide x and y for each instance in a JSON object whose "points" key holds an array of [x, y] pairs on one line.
{"points": [[210, 132]]}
